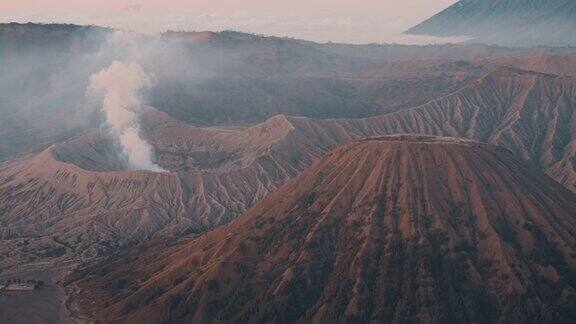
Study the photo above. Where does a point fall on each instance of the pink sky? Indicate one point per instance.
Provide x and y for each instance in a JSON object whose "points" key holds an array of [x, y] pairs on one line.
{"points": [[357, 21]]}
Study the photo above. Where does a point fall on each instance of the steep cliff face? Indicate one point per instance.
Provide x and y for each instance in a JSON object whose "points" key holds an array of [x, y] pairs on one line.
{"points": [[506, 22], [400, 228]]}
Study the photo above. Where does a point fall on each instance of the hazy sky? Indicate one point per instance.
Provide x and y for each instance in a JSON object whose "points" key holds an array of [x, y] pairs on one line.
{"points": [[356, 21]]}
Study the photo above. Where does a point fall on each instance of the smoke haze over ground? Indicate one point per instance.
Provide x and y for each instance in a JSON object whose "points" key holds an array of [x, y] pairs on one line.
{"points": [[121, 85]]}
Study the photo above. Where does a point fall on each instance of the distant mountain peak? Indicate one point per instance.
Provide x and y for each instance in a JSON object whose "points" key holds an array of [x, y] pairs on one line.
{"points": [[509, 22]]}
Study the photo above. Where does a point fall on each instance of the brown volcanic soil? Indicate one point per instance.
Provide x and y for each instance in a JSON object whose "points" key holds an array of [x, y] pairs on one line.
{"points": [[394, 229]]}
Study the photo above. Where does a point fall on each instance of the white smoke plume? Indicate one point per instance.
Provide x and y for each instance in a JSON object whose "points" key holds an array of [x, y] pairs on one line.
{"points": [[121, 85]]}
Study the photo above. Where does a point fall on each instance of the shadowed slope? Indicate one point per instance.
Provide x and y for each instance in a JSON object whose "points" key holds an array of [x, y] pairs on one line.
{"points": [[394, 229]]}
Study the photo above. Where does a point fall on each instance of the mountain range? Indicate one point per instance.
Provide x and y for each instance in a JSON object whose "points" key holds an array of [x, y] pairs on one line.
{"points": [[46, 69], [78, 193]]}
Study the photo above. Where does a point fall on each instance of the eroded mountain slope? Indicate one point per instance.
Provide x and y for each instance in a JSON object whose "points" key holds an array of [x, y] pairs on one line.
{"points": [[531, 113], [395, 229]]}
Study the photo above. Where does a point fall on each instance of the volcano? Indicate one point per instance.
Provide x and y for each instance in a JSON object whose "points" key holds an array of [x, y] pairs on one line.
{"points": [[506, 22], [79, 196], [391, 229]]}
